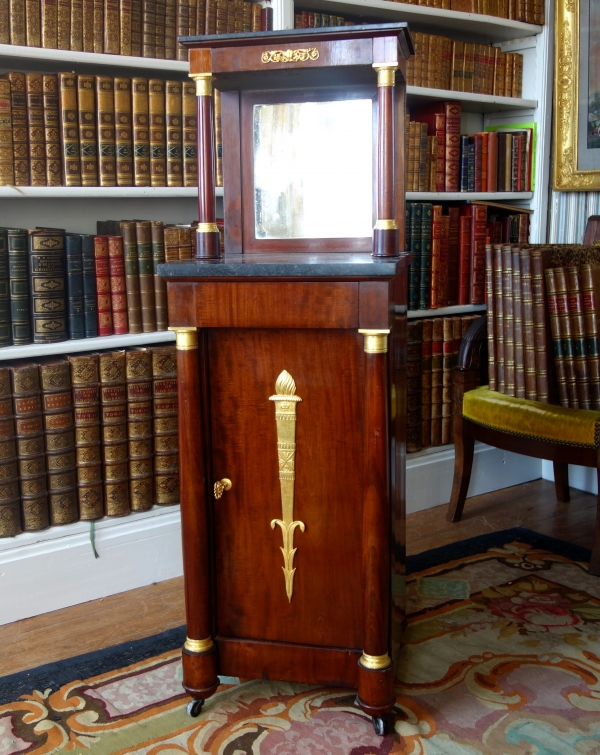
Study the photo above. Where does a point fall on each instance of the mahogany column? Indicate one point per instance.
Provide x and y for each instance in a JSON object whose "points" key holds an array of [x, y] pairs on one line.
{"points": [[376, 673], [385, 233], [199, 651], [208, 243]]}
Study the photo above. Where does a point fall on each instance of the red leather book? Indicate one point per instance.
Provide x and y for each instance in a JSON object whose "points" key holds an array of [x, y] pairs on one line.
{"points": [[118, 289], [442, 292], [492, 161], [464, 253], [436, 126], [477, 272], [523, 228], [453, 253], [453, 112], [478, 144], [105, 319], [436, 262]]}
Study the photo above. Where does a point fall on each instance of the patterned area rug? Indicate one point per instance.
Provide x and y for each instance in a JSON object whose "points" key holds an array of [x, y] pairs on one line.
{"points": [[501, 656]]}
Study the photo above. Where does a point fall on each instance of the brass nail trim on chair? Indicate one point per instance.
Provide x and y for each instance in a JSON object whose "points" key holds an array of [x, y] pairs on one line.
{"points": [[375, 662], [376, 341], [186, 338], [199, 646]]}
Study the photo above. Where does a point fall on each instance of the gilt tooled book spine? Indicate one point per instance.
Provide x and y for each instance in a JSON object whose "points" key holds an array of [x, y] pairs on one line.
{"points": [[499, 319], [453, 114], [575, 304], [35, 128], [161, 18], [192, 10], [186, 236], [29, 432], [112, 44], [4, 22], [88, 140], [171, 242], [141, 133], [10, 500], [508, 321], [105, 122], [76, 41], [146, 275], [528, 330], [477, 271], [189, 134], [125, 21], [414, 372], [437, 377], [447, 348], [566, 335], [88, 447], [103, 300], [256, 14], [160, 285], [590, 284], [69, 126], [63, 26], [518, 324], [52, 130], [20, 139], [170, 30], [47, 267], [218, 139], [247, 15], [18, 269], [489, 283], [136, 28], [57, 407], [148, 28], [221, 14], [118, 290], [156, 104], [18, 35], [436, 249], [538, 295], [425, 266], [7, 171], [132, 279], [90, 302], [88, 25], [139, 428], [5, 324], [123, 132], [75, 291], [201, 16], [166, 450], [98, 25], [32, 23], [113, 408], [182, 10], [414, 279], [173, 114], [557, 341], [426, 383]]}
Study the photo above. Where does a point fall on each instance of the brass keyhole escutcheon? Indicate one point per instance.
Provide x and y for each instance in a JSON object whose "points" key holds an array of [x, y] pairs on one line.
{"points": [[221, 486]]}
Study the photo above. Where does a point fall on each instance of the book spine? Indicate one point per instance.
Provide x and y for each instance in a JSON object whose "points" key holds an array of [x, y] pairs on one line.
{"points": [[10, 501], [499, 319], [69, 120], [88, 25], [7, 171], [437, 377], [489, 283], [464, 163], [88, 446], [566, 335], [164, 409], [20, 308], [447, 347], [425, 267], [76, 40], [415, 247], [123, 140], [453, 113], [132, 279], [442, 291], [160, 285], [492, 162], [575, 306], [125, 27], [518, 324], [32, 23], [414, 365], [146, 275], [118, 291], [141, 134], [478, 236], [470, 149], [20, 139], [35, 126], [508, 321], [112, 44], [29, 432], [478, 162], [156, 102], [113, 414], [182, 18], [190, 144], [528, 330], [103, 300], [171, 30], [538, 296], [88, 143], [75, 291], [63, 25], [148, 28], [161, 19], [136, 28], [105, 113], [52, 130], [557, 341], [139, 429], [5, 324], [173, 115], [218, 140], [48, 286], [436, 253], [465, 222], [426, 383], [590, 322], [90, 302], [453, 254]]}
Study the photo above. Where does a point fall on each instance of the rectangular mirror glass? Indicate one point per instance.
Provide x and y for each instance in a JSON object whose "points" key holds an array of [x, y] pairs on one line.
{"points": [[313, 170]]}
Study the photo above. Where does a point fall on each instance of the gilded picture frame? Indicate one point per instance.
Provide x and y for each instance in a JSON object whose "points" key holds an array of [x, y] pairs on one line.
{"points": [[576, 132]]}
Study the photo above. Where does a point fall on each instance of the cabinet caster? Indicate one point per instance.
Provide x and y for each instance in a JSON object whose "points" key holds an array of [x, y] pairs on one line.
{"points": [[379, 725], [194, 708]]}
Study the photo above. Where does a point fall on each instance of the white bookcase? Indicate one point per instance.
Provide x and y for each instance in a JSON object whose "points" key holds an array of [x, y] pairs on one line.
{"points": [[48, 570]]}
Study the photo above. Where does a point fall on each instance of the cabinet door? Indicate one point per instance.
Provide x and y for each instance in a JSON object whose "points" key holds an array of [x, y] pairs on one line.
{"points": [[251, 601]]}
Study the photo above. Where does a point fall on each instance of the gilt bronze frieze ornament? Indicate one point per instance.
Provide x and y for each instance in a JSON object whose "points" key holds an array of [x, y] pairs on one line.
{"points": [[290, 56], [285, 416]]}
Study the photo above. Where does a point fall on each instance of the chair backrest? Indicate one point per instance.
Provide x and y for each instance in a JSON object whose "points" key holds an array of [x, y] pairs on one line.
{"points": [[592, 230]]}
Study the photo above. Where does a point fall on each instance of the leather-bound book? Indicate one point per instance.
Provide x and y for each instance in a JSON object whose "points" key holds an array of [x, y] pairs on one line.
{"points": [[201, 16], [20, 140], [160, 285], [528, 331], [5, 325], [437, 379], [256, 13], [247, 15], [166, 451], [422, 157], [158, 163], [88, 25], [146, 275], [123, 132], [18, 34], [464, 252], [458, 60], [489, 286], [132, 278], [477, 273], [173, 132], [7, 172], [447, 356], [35, 129], [218, 139], [141, 133], [57, 407], [88, 446], [4, 22], [139, 428], [124, 27], [427, 332], [47, 268], [52, 130], [103, 299], [170, 30], [10, 500], [105, 115], [222, 12], [414, 372], [148, 28], [193, 7], [436, 256], [590, 291], [118, 291], [414, 237], [182, 15], [63, 28], [492, 161], [31, 452], [557, 341], [88, 140], [519, 339], [478, 162], [575, 304], [425, 267], [453, 114], [18, 269], [69, 126], [32, 23], [161, 19], [499, 318], [442, 286], [508, 321], [113, 409], [98, 25], [538, 295], [112, 42], [189, 134], [136, 28], [76, 42], [453, 253], [75, 291], [90, 301], [566, 335], [171, 242]]}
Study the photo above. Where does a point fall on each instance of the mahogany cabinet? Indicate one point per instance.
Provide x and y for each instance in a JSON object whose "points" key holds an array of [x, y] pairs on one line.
{"points": [[291, 365]]}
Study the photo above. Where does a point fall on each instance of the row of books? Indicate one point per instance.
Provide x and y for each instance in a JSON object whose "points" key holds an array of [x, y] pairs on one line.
{"points": [[144, 28], [432, 353], [443, 63], [448, 247], [56, 286], [528, 11], [308, 19], [85, 437], [79, 130]]}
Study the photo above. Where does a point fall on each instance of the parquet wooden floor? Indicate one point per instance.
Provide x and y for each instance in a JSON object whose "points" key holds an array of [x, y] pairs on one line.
{"points": [[153, 609]]}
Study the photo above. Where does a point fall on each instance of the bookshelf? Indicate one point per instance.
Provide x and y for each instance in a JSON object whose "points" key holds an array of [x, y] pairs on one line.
{"points": [[457, 309]]}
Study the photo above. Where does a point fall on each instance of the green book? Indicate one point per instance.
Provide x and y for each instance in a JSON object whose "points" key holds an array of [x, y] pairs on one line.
{"points": [[425, 272]]}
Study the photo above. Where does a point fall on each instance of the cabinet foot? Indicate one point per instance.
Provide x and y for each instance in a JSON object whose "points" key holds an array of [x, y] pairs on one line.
{"points": [[194, 708], [379, 725]]}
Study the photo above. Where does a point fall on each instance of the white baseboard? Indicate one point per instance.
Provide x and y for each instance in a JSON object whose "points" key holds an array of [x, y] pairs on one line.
{"points": [[429, 474], [580, 478]]}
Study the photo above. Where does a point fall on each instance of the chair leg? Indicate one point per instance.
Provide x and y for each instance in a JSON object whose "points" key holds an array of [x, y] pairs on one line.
{"points": [[463, 463], [561, 481], [595, 559]]}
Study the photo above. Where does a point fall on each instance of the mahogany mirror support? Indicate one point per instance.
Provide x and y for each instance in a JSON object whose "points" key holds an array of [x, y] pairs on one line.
{"points": [[199, 651], [376, 673], [208, 244], [385, 233]]}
